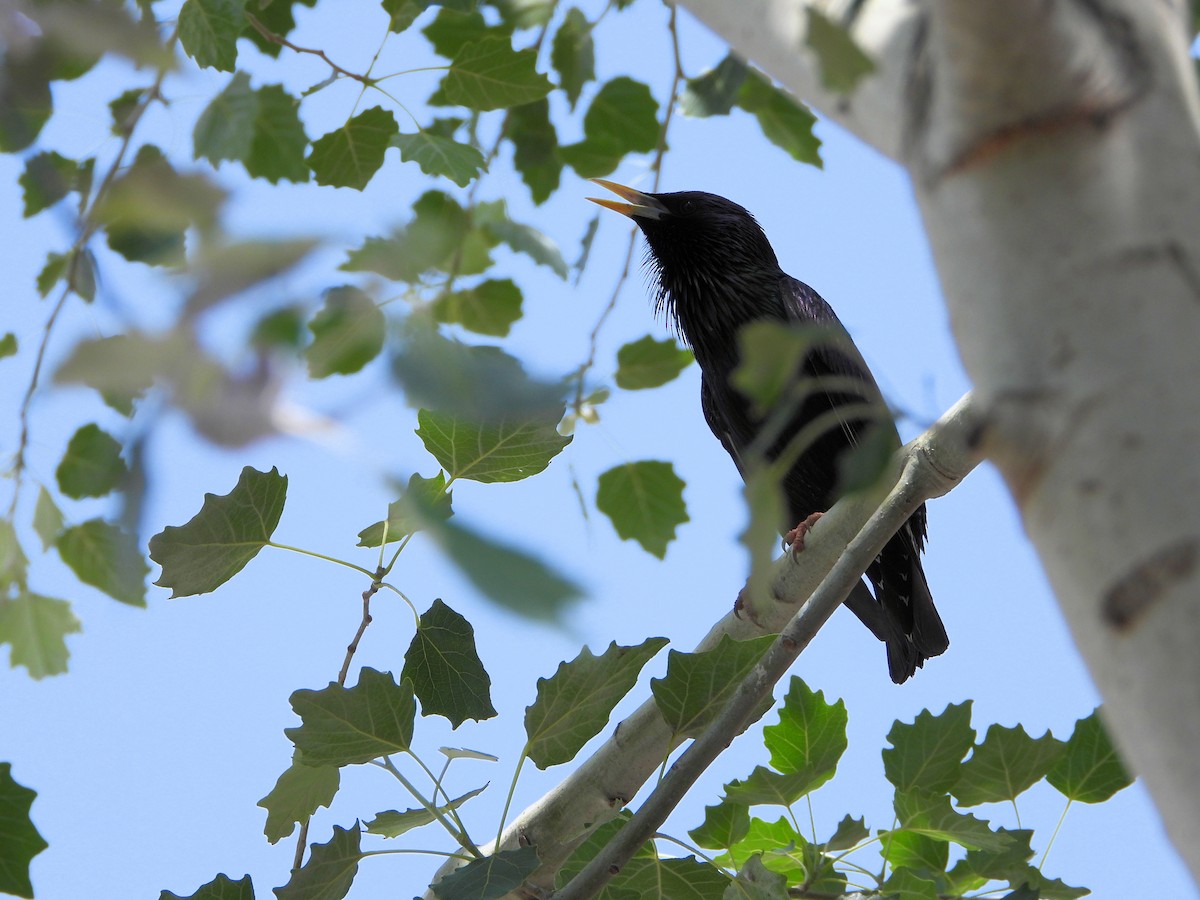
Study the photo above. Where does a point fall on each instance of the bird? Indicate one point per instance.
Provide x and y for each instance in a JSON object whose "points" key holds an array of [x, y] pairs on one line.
{"points": [[715, 272]]}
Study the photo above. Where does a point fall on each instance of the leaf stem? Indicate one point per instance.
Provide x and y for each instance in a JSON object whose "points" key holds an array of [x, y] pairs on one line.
{"points": [[512, 789], [268, 35], [431, 808], [1050, 844], [315, 555]]}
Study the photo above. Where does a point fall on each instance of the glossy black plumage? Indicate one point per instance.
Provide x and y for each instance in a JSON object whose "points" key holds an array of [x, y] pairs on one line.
{"points": [[716, 272]]}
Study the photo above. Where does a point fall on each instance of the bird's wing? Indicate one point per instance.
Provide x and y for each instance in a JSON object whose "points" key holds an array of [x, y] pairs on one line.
{"points": [[718, 424]]}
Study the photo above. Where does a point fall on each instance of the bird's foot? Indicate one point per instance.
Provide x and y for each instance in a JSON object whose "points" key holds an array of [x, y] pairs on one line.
{"points": [[795, 537]]}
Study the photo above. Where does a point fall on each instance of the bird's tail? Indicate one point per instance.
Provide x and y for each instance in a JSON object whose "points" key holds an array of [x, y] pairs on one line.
{"points": [[915, 631]]}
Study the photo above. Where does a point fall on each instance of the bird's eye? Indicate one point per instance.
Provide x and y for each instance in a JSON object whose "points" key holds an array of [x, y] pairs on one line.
{"points": [[688, 206]]}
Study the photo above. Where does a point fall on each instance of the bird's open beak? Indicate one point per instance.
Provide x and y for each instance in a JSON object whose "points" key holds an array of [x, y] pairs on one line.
{"points": [[640, 206]]}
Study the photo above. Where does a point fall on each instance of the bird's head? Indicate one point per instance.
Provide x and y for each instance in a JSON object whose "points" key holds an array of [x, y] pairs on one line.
{"points": [[704, 249]]}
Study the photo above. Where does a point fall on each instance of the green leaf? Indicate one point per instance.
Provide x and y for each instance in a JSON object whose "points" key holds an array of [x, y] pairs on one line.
{"points": [[431, 240], [48, 177], [92, 465], [574, 704], [297, 794], [25, 99], [842, 62], [47, 519], [423, 499], [348, 726], [52, 271], [19, 840], [931, 814], [573, 54], [392, 823], [810, 737], [1089, 769], [766, 788], [13, 561], [905, 884], [489, 307], [209, 29], [438, 155], [348, 333], [771, 354], [106, 557], [81, 274], [715, 92], [123, 108], [724, 825], [644, 501], [848, 833], [622, 118], [785, 122], [698, 685], [35, 627], [504, 574], [220, 888], [507, 450], [330, 869], [453, 29], [755, 881], [8, 345], [525, 13], [350, 155], [647, 363], [222, 270], [445, 669], [260, 129], [781, 845], [1007, 763], [915, 851], [535, 148], [489, 878], [404, 12], [494, 221], [217, 542], [928, 754], [1003, 864], [489, 74]]}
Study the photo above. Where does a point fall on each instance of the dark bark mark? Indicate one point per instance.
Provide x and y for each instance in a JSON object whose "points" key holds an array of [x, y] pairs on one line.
{"points": [[1128, 601]]}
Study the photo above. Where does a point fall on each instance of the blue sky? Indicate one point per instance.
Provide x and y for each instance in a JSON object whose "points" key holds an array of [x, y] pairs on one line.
{"points": [[149, 756]]}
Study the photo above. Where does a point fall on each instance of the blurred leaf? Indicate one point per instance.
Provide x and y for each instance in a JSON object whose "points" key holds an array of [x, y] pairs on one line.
{"points": [[330, 869], [489, 878], [122, 109], [8, 345], [429, 241], [785, 122], [507, 450], [19, 839], [622, 118], [13, 562], [349, 726], [453, 29], [715, 92], [505, 575], [350, 155], [424, 498], [445, 669], [842, 62], [25, 100], [585, 247], [927, 755], [644, 501], [47, 519], [647, 363], [698, 685], [92, 465], [493, 219], [392, 823], [440, 156], [209, 29], [106, 557], [297, 794], [867, 462], [281, 329], [810, 737], [404, 12], [525, 13], [535, 148], [573, 54], [575, 703], [348, 333], [1089, 769], [771, 354], [36, 627], [1007, 763], [49, 176], [261, 129], [81, 274], [228, 532], [489, 307], [220, 888], [277, 17], [931, 814], [724, 825], [224, 270], [489, 74], [52, 271]]}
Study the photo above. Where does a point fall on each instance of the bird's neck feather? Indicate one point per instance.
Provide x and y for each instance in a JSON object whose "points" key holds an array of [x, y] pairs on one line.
{"points": [[709, 315]]}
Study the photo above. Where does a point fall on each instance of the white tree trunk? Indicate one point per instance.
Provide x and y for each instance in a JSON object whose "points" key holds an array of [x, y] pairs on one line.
{"points": [[1054, 148]]}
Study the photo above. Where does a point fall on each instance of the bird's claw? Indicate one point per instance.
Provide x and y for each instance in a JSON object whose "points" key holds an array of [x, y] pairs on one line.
{"points": [[795, 537]]}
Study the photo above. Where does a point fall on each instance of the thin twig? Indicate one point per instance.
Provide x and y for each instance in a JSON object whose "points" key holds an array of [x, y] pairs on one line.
{"points": [[269, 35], [352, 647]]}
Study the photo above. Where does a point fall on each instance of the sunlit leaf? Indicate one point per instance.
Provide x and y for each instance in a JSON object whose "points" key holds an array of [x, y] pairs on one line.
{"points": [[650, 363], [1089, 769], [348, 726], [297, 794], [489, 74], [575, 703], [508, 450], [930, 813], [228, 532], [698, 685], [810, 737], [724, 825]]}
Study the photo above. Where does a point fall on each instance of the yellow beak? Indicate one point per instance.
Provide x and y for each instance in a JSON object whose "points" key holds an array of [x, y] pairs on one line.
{"points": [[639, 205]]}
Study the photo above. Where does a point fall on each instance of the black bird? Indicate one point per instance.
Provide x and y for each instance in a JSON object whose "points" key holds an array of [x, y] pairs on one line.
{"points": [[717, 272]]}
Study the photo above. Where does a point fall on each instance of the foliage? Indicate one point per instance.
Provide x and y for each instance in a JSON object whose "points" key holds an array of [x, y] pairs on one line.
{"points": [[431, 305]]}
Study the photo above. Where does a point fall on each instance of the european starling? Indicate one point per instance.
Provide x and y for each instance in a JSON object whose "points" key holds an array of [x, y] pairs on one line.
{"points": [[716, 272]]}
